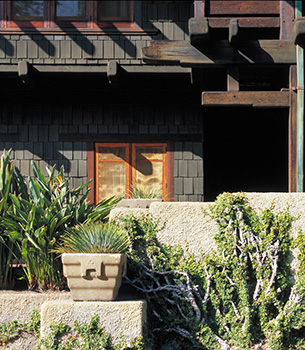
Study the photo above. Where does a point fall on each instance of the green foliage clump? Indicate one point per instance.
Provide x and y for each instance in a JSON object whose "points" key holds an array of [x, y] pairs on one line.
{"points": [[95, 238], [6, 246], [141, 192], [238, 296], [251, 280], [173, 285], [37, 214], [14, 330], [85, 336]]}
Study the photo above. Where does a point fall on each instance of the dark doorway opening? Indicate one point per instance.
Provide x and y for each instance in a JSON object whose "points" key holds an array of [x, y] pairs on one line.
{"points": [[245, 149]]}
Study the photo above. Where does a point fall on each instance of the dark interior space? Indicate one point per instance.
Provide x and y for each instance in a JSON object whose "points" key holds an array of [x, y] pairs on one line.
{"points": [[245, 149]]}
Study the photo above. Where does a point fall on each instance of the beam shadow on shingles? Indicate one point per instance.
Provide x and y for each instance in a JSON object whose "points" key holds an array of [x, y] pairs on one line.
{"points": [[6, 46], [82, 41], [45, 44]]}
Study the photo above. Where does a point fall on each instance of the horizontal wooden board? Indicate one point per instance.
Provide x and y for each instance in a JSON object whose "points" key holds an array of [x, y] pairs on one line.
{"points": [[245, 22], [131, 137], [220, 53], [262, 99], [234, 7]]}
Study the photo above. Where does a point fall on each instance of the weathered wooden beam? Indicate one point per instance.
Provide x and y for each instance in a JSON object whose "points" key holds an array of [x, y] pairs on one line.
{"points": [[245, 22], [233, 78], [286, 18], [299, 31], [262, 99], [199, 8], [199, 29], [25, 72], [242, 7], [233, 31], [220, 53], [114, 72]]}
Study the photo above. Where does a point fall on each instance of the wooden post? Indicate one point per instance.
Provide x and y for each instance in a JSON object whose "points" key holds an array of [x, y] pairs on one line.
{"points": [[233, 78], [199, 8], [286, 17], [292, 151]]}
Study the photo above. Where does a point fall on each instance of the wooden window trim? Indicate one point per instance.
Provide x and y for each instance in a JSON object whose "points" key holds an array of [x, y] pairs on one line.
{"points": [[93, 169], [50, 22]]}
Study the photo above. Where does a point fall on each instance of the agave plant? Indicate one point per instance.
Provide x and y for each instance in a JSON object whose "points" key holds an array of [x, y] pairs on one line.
{"points": [[95, 238]]}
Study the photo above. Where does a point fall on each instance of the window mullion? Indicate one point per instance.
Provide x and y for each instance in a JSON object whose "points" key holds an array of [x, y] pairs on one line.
{"points": [[93, 13], [49, 13]]}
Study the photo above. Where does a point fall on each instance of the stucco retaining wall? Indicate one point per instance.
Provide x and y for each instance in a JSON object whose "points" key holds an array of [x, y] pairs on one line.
{"points": [[185, 223], [126, 318]]}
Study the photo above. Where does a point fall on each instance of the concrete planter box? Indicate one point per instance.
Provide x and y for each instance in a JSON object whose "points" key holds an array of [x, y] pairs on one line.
{"points": [[94, 277]]}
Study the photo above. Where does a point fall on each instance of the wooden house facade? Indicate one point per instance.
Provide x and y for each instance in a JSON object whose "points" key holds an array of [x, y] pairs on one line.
{"points": [[192, 97]]}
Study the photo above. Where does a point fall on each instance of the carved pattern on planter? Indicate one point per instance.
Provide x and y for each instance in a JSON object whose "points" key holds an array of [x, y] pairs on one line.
{"points": [[94, 277]]}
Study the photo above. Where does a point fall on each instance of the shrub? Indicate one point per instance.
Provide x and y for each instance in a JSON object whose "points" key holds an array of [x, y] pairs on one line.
{"points": [[6, 246], [40, 213], [240, 295]]}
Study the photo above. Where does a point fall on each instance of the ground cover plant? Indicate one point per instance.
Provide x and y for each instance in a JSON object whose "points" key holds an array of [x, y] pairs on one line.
{"points": [[240, 296], [36, 213], [83, 336]]}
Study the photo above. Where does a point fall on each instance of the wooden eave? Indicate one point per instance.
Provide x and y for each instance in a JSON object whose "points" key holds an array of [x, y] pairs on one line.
{"points": [[183, 53]]}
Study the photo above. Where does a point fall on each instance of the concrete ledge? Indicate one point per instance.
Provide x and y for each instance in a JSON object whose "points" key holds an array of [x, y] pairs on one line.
{"points": [[137, 203], [125, 318], [185, 223], [19, 306]]}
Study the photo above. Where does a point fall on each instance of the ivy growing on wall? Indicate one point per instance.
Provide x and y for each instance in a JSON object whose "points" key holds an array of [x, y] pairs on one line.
{"points": [[238, 296]]}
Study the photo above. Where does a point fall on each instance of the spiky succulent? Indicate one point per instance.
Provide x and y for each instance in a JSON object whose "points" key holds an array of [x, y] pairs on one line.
{"points": [[95, 238]]}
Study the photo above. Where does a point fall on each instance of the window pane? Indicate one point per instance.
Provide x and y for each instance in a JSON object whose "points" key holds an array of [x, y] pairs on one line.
{"points": [[73, 8], [155, 153], [114, 9], [29, 8], [111, 179], [111, 171], [149, 176], [149, 168], [111, 153]]}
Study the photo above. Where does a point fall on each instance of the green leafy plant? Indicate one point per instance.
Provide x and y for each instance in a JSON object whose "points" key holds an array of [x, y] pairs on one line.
{"points": [[239, 296], [6, 245], [95, 238], [80, 336], [141, 192], [40, 214], [85, 336], [13, 330], [172, 284]]}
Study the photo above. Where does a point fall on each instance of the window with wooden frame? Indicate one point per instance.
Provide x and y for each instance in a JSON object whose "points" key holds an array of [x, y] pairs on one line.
{"points": [[66, 13], [119, 166]]}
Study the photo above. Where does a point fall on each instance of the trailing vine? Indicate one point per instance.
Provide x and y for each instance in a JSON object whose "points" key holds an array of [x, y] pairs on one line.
{"points": [[84, 336], [13, 330], [241, 295]]}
